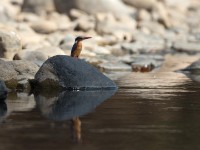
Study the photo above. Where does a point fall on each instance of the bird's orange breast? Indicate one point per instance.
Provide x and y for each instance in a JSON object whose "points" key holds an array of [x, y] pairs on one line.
{"points": [[77, 51]]}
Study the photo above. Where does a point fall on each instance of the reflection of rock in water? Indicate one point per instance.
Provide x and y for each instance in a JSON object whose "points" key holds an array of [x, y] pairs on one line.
{"points": [[20, 102], [193, 75], [3, 110], [70, 104]]}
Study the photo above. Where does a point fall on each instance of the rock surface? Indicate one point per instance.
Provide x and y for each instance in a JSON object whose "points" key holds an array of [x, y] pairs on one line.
{"points": [[25, 69], [10, 43], [4, 13], [8, 74], [11, 72], [44, 27], [114, 66], [187, 47], [70, 73], [145, 4], [39, 7]]}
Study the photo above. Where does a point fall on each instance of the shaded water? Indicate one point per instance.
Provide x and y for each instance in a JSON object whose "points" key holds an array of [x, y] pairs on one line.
{"points": [[149, 111]]}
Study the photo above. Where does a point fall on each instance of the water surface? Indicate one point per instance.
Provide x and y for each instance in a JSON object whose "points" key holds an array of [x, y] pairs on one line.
{"points": [[149, 111]]}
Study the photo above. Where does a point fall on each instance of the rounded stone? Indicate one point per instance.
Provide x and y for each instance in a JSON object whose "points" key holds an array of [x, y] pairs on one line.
{"points": [[64, 72], [10, 43]]}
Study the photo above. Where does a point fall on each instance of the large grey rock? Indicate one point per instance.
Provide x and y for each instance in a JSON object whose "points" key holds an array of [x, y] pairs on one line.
{"points": [[37, 6], [64, 72], [10, 43], [12, 72], [8, 74], [3, 90], [94, 6], [25, 69]]}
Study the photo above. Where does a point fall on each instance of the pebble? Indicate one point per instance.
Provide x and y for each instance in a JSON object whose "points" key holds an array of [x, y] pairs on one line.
{"points": [[114, 66], [187, 47], [144, 65]]}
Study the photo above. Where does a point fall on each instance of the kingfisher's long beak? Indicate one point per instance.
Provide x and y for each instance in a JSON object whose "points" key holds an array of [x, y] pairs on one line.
{"points": [[87, 37]]}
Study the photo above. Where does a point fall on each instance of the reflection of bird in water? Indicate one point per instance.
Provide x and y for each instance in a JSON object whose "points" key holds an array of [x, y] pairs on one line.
{"points": [[77, 47], [76, 129], [69, 105]]}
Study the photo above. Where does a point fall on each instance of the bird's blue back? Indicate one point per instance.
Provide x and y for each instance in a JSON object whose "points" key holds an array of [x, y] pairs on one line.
{"points": [[74, 47]]}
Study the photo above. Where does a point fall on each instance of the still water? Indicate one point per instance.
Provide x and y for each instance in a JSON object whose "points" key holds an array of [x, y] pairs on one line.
{"points": [[150, 111]]}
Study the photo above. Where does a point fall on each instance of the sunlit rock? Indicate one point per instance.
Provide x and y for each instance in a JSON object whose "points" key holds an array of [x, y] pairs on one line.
{"points": [[11, 72], [10, 43], [187, 47], [37, 6], [8, 74], [44, 26], [145, 4], [114, 66]]}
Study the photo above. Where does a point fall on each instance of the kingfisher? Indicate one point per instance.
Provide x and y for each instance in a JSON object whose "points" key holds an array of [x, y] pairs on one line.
{"points": [[77, 47]]}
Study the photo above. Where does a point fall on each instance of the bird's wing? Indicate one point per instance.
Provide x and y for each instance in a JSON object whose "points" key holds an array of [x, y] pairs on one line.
{"points": [[73, 48]]}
